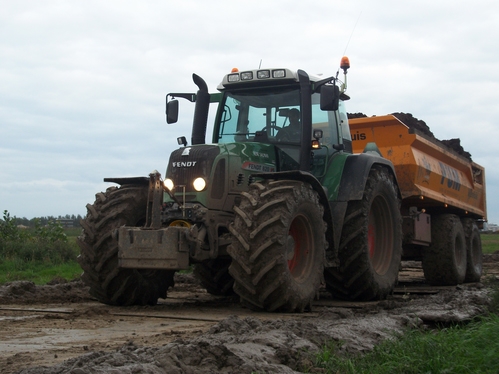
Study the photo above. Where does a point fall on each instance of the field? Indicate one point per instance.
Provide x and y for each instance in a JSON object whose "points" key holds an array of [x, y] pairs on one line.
{"points": [[40, 261], [490, 243], [41, 272]]}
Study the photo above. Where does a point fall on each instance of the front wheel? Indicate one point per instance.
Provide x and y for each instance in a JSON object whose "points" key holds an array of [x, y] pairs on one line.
{"points": [[371, 243], [98, 257], [278, 246]]}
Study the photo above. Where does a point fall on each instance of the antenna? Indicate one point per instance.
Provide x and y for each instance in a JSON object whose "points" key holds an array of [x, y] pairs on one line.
{"points": [[345, 63], [260, 66], [354, 27]]}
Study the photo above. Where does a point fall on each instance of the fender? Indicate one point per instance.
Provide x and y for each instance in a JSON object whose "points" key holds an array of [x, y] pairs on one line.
{"points": [[303, 176], [138, 181], [355, 174], [353, 182]]}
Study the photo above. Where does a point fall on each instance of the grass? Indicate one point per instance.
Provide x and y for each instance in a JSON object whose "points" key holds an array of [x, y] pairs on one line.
{"points": [[39, 260], [490, 243], [472, 348], [39, 273], [462, 348]]}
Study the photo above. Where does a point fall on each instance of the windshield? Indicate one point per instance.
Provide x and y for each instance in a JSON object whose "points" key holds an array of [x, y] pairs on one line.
{"points": [[257, 116], [274, 117]]}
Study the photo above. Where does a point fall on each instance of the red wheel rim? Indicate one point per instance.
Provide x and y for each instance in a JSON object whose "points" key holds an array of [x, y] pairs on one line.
{"points": [[301, 263]]}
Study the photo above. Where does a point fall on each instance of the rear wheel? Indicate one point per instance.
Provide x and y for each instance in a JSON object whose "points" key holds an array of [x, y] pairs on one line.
{"points": [[278, 246], [99, 250], [474, 255], [371, 243], [444, 261]]}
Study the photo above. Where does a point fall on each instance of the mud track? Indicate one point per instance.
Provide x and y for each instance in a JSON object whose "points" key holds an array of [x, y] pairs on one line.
{"points": [[58, 328]]}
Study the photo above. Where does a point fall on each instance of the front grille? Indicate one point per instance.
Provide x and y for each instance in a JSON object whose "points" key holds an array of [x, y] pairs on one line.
{"points": [[187, 164]]}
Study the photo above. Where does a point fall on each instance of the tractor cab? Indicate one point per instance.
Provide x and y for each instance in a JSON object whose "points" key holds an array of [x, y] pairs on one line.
{"points": [[302, 116]]}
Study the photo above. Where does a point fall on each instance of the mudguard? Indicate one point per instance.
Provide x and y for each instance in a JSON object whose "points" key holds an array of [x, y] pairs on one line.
{"points": [[355, 174]]}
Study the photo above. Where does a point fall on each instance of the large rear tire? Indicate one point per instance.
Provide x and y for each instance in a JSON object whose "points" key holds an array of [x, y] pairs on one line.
{"points": [[99, 250], [371, 243], [444, 261], [278, 246]]}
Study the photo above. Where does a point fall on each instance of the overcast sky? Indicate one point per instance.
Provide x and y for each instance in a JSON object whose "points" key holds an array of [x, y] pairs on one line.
{"points": [[83, 83]]}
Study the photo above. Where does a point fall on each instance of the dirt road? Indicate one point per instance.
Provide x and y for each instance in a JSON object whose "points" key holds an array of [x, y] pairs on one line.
{"points": [[58, 328]]}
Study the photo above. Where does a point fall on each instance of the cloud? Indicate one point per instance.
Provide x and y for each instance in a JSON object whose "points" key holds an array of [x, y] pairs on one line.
{"points": [[84, 83]]}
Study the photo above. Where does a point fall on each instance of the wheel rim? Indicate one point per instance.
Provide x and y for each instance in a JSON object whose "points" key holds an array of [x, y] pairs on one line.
{"points": [[380, 236], [300, 247]]}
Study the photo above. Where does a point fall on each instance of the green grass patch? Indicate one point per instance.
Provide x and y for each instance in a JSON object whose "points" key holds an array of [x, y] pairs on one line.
{"points": [[38, 254], [472, 348], [37, 272], [490, 243]]}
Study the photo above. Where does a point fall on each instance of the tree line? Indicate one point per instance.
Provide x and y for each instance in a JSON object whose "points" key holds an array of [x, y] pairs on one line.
{"points": [[66, 221]]}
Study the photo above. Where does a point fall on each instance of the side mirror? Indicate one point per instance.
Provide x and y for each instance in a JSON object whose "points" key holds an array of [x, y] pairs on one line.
{"points": [[330, 97], [172, 111]]}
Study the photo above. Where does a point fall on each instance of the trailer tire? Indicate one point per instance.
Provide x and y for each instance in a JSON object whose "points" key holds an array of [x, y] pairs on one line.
{"points": [[371, 243], [278, 246], [214, 276], [98, 257], [444, 261], [474, 255]]}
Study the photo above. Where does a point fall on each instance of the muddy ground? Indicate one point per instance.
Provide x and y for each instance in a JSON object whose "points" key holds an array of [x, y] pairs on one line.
{"points": [[59, 328]]}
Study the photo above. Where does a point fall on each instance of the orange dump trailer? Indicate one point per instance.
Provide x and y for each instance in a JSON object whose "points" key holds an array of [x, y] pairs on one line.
{"points": [[443, 200], [430, 175]]}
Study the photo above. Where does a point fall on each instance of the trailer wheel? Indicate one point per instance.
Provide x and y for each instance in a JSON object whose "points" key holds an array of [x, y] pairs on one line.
{"points": [[371, 243], [99, 250], [278, 246], [474, 255], [444, 261], [214, 276]]}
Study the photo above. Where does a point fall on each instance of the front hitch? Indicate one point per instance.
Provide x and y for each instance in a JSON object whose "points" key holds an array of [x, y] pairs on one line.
{"points": [[154, 201]]}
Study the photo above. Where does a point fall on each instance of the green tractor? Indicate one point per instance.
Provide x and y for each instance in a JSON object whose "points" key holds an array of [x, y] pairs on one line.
{"points": [[276, 207]]}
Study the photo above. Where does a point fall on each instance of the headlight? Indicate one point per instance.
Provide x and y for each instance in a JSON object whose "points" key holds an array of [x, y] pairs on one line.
{"points": [[199, 184], [233, 77], [168, 183], [263, 74], [247, 76], [281, 73]]}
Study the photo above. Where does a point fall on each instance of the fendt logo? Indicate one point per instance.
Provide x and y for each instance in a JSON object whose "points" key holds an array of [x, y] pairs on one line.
{"points": [[184, 164]]}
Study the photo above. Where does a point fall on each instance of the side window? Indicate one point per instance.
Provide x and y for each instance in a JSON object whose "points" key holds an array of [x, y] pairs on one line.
{"points": [[228, 121], [345, 128], [325, 121]]}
